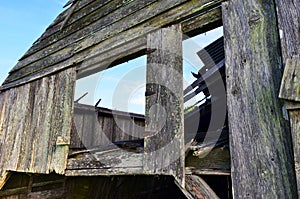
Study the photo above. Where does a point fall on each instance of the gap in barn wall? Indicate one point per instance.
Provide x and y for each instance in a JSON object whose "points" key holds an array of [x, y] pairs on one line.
{"points": [[121, 87], [110, 104], [206, 111], [192, 62]]}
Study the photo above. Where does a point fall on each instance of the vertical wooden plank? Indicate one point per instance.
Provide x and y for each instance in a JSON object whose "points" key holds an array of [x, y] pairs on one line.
{"points": [[290, 91], [295, 128], [64, 110], [164, 145], [260, 140], [288, 14]]}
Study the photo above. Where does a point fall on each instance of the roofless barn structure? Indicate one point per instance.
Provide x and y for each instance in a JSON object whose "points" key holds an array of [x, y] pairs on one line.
{"points": [[52, 146]]}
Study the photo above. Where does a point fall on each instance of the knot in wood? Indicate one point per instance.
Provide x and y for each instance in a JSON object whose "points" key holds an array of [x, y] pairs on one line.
{"points": [[254, 18]]}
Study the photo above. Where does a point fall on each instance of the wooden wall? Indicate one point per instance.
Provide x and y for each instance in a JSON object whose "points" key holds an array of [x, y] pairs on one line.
{"points": [[92, 34], [260, 141], [35, 124], [100, 127]]}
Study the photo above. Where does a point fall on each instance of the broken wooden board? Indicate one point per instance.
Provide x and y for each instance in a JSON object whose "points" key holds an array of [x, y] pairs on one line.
{"points": [[290, 84], [198, 188], [109, 160]]}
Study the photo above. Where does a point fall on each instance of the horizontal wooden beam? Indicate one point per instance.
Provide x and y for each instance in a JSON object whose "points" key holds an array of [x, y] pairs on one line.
{"points": [[83, 52]]}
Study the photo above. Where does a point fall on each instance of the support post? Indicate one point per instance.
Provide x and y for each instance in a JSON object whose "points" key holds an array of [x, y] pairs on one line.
{"points": [[260, 140], [164, 139]]}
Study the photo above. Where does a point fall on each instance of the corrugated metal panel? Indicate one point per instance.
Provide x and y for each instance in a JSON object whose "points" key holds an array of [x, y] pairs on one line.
{"points": [[35, 124], [213, 53]]}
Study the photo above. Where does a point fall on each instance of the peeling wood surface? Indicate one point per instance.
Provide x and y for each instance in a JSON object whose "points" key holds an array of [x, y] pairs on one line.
{"points": [[164, 144], [110, 160], [290, 84], [198, 188], [260, 142], [35, 124], [136, 25]]}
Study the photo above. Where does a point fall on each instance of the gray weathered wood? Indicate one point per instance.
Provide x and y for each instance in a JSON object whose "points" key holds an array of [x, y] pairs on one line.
{"points": [[94, 22], [288, 14], [295, 128], [114, 161], [290, 91], [290, 84], [218, 159], [78, 51], [35, 125], [164, 145], [260, 140], [203, 22], [97, 127], [198, 188]]}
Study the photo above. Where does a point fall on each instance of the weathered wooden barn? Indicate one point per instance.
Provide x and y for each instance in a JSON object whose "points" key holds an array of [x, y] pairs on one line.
{"points": [[54, 147]]}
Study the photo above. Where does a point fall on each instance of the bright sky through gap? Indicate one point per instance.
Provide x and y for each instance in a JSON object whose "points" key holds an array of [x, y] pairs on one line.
{"points": [[123, 86], [22, 22]]}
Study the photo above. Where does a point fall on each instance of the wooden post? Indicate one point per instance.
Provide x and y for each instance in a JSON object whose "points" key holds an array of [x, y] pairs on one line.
{"points": [[290, 91], [288, 14], [164, 141], [260, 140]]}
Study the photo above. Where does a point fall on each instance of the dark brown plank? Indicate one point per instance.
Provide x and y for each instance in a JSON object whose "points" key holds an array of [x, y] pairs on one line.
{"points": [[260, 140], [198, 188], [164, 145]]}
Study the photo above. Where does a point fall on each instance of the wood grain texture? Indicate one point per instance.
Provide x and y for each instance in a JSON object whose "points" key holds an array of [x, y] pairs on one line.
{"points": [[288, 14], [113, 36], [98, 127], [260, 140], [295, 128], [290, 84], [164, 145], [110, 160], [35, 124], [198, 188]]}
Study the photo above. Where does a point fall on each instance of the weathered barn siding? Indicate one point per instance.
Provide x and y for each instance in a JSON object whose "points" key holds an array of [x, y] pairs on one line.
{"points": [[100, 126], [164, 142], [290, 92], [99, 32], [288, 14], [35, 124], [261, 149]]}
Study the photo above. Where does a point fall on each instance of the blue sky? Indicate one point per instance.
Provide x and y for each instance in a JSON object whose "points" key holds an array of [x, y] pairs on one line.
{"points": [[22, 22], [122, 87]]}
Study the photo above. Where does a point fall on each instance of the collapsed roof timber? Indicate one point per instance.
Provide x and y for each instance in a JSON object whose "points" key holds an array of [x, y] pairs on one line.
{"points": [[38, 113]]}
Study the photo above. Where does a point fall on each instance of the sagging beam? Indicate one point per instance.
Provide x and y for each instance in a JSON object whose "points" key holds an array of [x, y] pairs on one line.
{"points": [[198, 188], [260, 140], [164, 142]]}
